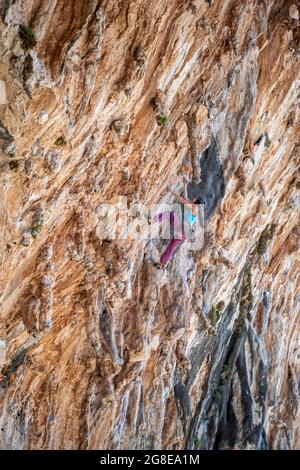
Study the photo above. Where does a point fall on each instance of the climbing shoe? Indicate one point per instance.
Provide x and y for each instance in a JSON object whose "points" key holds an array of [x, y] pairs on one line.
{"points": [[159, 265]]}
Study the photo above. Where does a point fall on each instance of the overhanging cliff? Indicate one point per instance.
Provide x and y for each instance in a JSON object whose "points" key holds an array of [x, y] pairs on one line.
{"points": [[98, 347]]}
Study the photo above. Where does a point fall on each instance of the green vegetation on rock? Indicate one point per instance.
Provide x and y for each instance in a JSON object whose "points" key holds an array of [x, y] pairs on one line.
{"points": [[61, 141], [162, 120], [27, 37]]}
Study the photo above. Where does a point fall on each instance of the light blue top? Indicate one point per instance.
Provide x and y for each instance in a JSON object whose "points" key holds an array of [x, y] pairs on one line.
{"points": [[189, 217]]}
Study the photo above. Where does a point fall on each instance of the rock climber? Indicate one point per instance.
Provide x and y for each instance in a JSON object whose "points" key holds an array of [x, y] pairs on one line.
{"points": [[190, 209]]}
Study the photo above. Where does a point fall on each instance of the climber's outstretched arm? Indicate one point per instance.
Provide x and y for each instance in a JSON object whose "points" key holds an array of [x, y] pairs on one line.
{"points": [[181, 199]]}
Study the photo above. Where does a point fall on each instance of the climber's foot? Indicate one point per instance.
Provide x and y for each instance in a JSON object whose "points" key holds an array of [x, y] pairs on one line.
{"points": [[159, 265]]}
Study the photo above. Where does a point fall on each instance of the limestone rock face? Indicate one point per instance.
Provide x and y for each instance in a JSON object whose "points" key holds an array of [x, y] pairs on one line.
{"points": [[100, 100]]}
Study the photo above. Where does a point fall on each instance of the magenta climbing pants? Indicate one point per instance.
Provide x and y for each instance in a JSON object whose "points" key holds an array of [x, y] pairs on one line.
{"points": [[178, 238]]}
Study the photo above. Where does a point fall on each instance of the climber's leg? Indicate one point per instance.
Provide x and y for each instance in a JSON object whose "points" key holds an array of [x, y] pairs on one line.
{"points": [[172, 245], [179, 236], [162, 216], [168, 215]]}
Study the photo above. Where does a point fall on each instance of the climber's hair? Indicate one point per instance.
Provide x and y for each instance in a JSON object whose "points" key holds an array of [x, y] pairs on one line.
{"points": [[200, 200]]}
